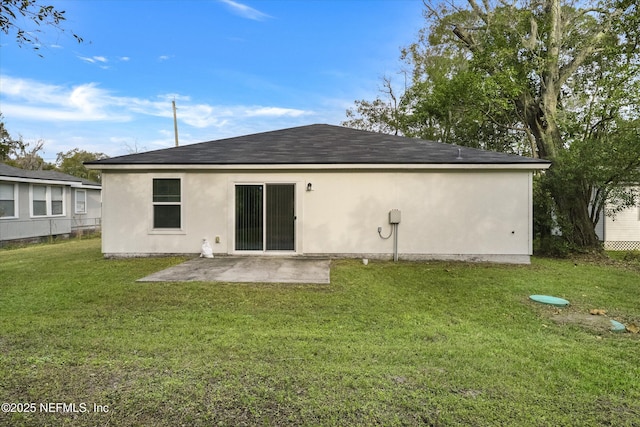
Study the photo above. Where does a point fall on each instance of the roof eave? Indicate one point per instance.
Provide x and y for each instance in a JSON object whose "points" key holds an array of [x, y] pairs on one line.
{"points": [[42, 181], [327, 166]]}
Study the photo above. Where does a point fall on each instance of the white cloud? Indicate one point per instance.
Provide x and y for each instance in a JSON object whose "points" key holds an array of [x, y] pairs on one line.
{"points": [[94, 59], [174, 97], [41, 102], [274, 112], [44, 102], [245, 11], [124, 58], [163, 57]]}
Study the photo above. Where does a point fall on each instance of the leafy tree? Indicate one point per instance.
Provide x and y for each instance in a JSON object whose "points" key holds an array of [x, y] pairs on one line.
{"points": [[72, 163], [13, 13], [7, 144], [554, 79]]}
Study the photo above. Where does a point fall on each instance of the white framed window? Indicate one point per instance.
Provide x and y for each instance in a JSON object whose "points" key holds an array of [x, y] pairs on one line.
{"points": [[167, 203], [38, 200], [57, 200], [81, 201], [8, 200], [47, 200]]}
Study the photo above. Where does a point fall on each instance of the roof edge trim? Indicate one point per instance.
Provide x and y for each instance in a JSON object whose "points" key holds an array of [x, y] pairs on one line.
{"points": [[41, 181], [391, 166]]}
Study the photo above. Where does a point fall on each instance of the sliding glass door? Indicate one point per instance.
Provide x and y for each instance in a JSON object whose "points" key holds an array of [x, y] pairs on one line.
{"points": [[249, 217], [265, 217]]}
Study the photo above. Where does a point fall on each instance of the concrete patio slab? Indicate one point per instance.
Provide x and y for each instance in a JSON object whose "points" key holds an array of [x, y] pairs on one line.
{"points": [[247, 270]]}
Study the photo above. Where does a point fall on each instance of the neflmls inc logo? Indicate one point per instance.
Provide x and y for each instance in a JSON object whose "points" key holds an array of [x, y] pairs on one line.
{"points": [[65, 408]]}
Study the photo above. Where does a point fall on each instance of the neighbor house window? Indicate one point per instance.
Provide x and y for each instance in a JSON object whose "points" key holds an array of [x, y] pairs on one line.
{"points": [[57, 201], [167, 204], [39, 194], [81, 201], [7, 201], [47, 200]]}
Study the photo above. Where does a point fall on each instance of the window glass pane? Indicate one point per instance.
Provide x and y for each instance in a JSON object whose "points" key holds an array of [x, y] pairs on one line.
{"points": [[166, 190], [7, 205], [6, 191], [56, 208], [39, 192], [7, 208], [56, 193], [39, 207], [166, 216], [81, 201]]}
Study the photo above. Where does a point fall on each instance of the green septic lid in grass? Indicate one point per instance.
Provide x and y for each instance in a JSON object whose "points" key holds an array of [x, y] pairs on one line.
{"points": [[617, 326], [546, 299]]}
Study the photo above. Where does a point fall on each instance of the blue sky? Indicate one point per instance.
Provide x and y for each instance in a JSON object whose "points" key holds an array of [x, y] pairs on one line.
{"points": [[234, 67]]}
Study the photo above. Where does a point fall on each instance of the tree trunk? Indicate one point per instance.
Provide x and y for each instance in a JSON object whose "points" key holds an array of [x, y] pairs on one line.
{"points": [[571, 201], [572, 211], [540, 112], [579, 231]]}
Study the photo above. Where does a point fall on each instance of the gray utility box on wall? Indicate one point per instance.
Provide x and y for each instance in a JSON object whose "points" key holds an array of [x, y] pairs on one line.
{"points": [[394, 216]]}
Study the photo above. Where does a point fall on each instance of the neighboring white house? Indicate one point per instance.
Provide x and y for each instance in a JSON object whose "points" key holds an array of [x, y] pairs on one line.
{"points": [[621, 232], [35, 204], [320, 190]]}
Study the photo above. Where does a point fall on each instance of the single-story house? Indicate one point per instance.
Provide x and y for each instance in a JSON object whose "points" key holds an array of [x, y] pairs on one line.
{"points": [[622, 231], [36, 204], [320, 190]]}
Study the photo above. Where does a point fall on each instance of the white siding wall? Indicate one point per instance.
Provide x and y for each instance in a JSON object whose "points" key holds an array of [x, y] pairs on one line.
{"points": [[445, 214], [91, 219], [25, 226], [623, 232]]}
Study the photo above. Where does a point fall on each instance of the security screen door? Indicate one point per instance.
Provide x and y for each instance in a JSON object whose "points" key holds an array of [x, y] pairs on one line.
{"points": [[265, 217]]}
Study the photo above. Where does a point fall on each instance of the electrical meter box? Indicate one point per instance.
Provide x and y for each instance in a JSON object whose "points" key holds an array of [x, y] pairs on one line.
{"points": [[394, 216]]}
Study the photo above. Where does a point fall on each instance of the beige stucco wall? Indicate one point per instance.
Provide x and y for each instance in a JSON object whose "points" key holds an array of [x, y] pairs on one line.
{"points": [[458, 214]]}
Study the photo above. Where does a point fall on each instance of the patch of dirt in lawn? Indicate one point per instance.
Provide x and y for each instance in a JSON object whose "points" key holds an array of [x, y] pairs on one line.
{"points": [[596, 321], [598, 324]]}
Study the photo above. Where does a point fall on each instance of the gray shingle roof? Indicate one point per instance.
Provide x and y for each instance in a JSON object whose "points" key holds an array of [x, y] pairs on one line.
{"points": [[317, 144], [6, 170]]}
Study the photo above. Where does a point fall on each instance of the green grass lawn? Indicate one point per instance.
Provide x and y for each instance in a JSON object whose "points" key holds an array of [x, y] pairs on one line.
{"points": [[438, 344]]}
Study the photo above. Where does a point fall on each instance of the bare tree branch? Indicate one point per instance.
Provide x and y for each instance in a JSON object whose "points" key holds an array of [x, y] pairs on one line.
{"points": [[479, 12], [591, 47]]}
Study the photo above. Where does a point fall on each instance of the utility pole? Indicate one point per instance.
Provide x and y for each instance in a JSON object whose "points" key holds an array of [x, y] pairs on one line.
{"points": [[175, 121]]}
